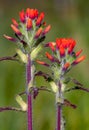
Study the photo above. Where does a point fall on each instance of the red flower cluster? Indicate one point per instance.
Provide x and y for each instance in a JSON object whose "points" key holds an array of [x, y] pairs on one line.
{"points": [[63, 44], [30, 21], [63, 53]]}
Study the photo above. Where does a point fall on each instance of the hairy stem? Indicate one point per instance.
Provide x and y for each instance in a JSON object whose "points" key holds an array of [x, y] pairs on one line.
{"points": [[58, 127], [59, 101], [29, 95]]}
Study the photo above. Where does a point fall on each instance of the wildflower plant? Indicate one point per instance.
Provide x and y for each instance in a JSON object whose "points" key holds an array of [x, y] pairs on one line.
{"points": [[30, 32], [62, 59]]}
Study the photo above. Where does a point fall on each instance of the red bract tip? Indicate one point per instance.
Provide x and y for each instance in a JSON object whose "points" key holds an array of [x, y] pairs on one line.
{"points": [[29, 24], [51, 45], [38, 33], [39, 19], [10, 38], [79, 60], [28, 12], [22, 16], [64, 42], [78, 53], [58, 43], [14, 22], [71, 46], [16, 30], [36, 13], [50, 57], [47, 29], [66, 66], [42, 63], [32, 13], [62, 51]]}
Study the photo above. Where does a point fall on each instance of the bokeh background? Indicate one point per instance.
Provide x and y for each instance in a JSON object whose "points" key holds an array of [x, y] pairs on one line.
{"points": [[68, 18]]}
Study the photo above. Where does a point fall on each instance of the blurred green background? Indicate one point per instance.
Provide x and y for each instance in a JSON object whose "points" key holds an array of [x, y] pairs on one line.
{"points": [[68, 18]]}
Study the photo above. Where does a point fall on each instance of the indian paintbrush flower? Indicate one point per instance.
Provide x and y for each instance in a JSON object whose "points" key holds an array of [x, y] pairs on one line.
{"points": [[62, 59], [30, 30], [63, 55]]}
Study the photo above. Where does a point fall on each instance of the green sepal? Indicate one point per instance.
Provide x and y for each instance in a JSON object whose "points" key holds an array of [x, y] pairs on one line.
{"points": [[54, 87], [36, 51], [22, 55], [20, 101]]}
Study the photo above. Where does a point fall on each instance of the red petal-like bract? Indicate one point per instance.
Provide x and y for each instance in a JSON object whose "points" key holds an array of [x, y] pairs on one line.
{"points": [[79, 60], [38, 33], [51, 45], [32, 13], [16, 30], [71, 46], [62, 41], [39, 19], [47, 29], [22, 16], [14, 22], [66, 66], [29, 24], [50, 57], [42, 63], [58, 43], [66, 43], [10, 38], [62, 51], [78, 53]]}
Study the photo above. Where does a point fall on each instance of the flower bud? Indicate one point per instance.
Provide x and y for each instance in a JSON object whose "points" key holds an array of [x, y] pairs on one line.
{"points": [[29, 24], [78, 53], [10, 38], [22, 16], [16, 30], [40, 18], [38, 33], [42, 63], [32, 13], [50, 57], [66, 66], [14, 22], [46, 30], [79, 60]]}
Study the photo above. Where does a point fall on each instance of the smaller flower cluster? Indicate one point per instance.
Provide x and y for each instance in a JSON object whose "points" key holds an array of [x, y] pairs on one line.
{"points": [[63, 56], [30, 29]]}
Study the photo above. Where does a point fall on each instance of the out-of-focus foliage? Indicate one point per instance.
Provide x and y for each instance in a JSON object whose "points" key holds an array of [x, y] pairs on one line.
{"points": [[69, 18]]}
